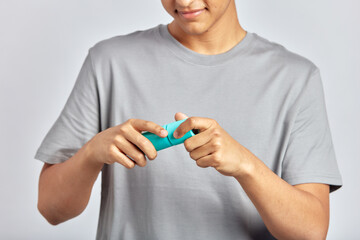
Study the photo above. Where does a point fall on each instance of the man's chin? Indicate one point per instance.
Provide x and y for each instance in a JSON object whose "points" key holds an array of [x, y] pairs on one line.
{"points": [[193, 28]]}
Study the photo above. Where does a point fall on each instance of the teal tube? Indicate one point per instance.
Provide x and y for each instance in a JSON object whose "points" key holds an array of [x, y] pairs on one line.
{"points": [[168, 141]]}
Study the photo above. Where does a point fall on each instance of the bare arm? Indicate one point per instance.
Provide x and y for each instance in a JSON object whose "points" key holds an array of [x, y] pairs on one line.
{"points": [[65, 188], [289, 212]]}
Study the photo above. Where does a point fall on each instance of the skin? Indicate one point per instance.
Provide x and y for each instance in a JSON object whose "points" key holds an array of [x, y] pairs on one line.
{"points": [[215, 31], [289, 212]]}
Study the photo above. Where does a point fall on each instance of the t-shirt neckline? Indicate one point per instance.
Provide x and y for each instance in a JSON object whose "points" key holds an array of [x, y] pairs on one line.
{"points": [[202, 59]]}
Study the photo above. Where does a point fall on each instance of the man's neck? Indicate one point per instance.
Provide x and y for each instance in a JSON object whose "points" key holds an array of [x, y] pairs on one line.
{"points": [[221, 37]]}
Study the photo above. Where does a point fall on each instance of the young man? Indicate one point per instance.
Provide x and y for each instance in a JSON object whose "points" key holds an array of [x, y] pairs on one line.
{"points": [[263, 127]]}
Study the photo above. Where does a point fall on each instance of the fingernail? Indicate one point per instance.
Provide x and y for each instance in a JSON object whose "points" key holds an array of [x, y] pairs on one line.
{"points": [[176, 134], [163, 132]]}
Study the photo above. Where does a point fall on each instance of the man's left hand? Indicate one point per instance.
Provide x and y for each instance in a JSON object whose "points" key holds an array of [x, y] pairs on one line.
{"points": [[213, 146]]}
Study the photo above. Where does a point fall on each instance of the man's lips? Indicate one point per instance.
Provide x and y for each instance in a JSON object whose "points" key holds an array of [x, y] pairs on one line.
{"points": [[191, 14]]}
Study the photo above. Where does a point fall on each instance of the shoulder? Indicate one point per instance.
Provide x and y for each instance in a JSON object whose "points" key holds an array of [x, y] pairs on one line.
{"points": [[123, 44], [280, 56]]}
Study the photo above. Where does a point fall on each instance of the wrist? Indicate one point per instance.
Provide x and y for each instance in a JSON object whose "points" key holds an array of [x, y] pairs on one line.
{"points": [[88, 158], [247, 166]]}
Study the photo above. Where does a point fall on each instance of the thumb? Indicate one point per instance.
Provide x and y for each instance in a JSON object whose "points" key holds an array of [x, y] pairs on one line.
{"points": [[180, 116]]}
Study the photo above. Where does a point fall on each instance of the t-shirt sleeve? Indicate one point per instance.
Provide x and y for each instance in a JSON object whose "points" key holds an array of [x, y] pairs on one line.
{"points": [[310, 155], [78, 121]]}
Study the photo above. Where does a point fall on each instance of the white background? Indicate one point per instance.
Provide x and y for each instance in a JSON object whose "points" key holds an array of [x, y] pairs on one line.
{"points": [[44, 43]]}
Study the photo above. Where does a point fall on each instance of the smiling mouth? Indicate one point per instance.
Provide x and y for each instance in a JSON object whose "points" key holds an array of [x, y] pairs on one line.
{"points": [[190, 14]]}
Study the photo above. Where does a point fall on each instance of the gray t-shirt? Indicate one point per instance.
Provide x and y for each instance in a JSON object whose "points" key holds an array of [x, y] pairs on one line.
{"points": [[267, 98]]}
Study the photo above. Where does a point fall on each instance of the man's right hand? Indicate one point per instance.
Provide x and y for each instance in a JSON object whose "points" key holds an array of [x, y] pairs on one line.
{"points": [[76, 176], [115, 144]]}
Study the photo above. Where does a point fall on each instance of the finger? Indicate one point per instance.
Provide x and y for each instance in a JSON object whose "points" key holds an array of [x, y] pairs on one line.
{"points": [[202, 151], [197, 140], [206, 161], [141, 142], [144, 125], [180, 116], [120, 158], [132, 151], [193, 123]]}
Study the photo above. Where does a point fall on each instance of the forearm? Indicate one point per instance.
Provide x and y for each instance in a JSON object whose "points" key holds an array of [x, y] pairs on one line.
{"points": [[288, 212], [65, 188]]}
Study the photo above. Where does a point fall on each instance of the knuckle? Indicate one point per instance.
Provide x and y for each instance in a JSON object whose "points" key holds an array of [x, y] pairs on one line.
{"points": [[192, 120], [142, 141], [147, 124], [118, 139], [125, 129], [217, 157], [112, 152], [187, 145], [217, 145], [122, 130], [216, 132], [139, 156]]}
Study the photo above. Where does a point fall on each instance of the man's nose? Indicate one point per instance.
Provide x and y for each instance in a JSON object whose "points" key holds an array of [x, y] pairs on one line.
{"points": [[184, 3]]}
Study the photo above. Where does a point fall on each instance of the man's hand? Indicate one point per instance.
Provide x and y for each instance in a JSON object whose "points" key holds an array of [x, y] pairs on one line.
{"points": [[76, 176], [213, 146], [289, 212], [118, 143]]}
